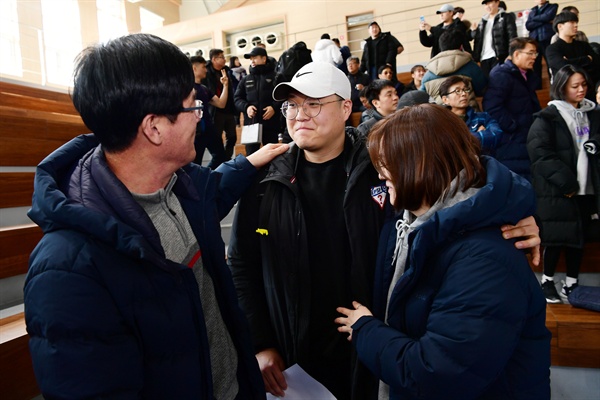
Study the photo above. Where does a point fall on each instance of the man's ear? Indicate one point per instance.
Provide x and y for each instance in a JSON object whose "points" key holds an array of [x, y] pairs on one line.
{"points": [[375, 103], [151, 129], [347, 105]]}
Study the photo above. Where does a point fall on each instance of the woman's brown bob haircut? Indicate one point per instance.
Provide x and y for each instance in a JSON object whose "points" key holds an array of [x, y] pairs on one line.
{"points": [[423, 148]]}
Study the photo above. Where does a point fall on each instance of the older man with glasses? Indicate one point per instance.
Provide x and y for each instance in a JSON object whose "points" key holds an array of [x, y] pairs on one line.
{"points": [[128, 294], [305, 237], [511, 100]]}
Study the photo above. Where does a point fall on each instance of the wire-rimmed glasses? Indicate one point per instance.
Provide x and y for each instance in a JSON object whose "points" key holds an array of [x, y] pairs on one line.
{"points": [[310, 107]]}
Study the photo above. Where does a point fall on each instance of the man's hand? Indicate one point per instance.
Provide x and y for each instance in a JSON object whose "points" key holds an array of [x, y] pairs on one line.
{"points": [[424, 26], [266, 153], [224, 79], [271, 366], [268, 112], [251, 111], [527, 229]]}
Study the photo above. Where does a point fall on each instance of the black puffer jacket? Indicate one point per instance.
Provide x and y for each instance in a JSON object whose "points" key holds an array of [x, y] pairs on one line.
{"points": [[433, 38], [268, 251], [554, 168], [386, 49], [503, 31], [256, 89]]}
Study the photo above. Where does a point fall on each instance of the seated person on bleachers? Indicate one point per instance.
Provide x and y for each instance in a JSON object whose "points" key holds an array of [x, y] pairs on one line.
{"points": [[358, 81], [385, 72], [453, 61], [382, 96], [368, 112], [416, 72], [455, 94]]}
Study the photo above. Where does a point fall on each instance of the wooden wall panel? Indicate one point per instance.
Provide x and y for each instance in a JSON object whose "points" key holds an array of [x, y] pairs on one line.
{"points": [[16, 189], [16, 244]]}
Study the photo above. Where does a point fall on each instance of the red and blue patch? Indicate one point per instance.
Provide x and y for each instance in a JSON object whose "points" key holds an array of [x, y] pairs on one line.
{"points": [[379, 194]]}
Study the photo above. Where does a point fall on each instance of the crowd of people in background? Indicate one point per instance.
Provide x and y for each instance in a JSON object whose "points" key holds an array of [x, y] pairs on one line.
{"points": [[481, 70]]}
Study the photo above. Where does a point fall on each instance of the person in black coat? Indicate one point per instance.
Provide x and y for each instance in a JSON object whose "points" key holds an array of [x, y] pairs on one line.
{"points": [[563, 144], [504, 29], [432, 38], [567, 50], [224, 118], [380, 49], [253, 98]]}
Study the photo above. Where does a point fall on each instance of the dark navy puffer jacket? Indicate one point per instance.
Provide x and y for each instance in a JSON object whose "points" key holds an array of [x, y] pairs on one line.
{"points": [[511, 100], [108, 315], [539, 21], [467, 318]]}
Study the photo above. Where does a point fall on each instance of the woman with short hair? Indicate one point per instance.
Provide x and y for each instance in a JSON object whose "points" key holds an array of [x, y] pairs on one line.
{"points": [[458, 312], [563, 147]]}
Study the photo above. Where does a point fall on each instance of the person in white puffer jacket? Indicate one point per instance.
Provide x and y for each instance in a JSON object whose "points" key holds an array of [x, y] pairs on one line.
{"points": [[327, 51]]}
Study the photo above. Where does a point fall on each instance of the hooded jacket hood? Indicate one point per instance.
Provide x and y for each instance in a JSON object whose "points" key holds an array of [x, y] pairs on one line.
{"points": [[69, 194], [448, 62]]}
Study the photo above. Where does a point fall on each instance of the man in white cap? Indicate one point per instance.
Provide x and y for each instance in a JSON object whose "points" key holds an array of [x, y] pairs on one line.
{"points": [[304, 238], [432, 39]]}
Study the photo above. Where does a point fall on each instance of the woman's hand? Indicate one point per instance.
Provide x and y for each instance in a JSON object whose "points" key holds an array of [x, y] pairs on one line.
{"points": [[351, 316]]}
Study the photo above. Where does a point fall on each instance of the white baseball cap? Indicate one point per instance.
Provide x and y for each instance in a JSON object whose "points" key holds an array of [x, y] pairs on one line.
{"points": [[316, 80]]}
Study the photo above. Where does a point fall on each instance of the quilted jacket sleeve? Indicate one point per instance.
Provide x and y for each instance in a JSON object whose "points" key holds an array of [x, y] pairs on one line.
{"points": [[470, 335], [76, 331]]}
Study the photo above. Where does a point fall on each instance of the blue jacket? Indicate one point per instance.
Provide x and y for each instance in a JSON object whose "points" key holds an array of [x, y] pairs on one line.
{"points": [[511, 100], [467, 318], [108, 315], [539, 22], [490, 136]]}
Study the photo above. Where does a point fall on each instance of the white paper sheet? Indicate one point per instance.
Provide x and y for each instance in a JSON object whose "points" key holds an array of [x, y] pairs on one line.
{"points": [[302, 386]]}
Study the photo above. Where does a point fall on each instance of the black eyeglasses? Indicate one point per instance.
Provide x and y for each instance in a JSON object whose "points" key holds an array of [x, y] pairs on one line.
{"points": [[197, 109], [311, 107], [459, 91]]}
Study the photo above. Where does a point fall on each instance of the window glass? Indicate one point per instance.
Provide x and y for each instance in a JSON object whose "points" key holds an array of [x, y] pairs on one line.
{"points": [[10, 48], [61, 39]]}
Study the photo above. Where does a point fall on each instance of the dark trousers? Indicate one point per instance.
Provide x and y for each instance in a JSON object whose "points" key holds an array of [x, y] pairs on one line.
{"points": [[537, 67], [574, 256], [212, 141], [225, 122], [487, 65]]}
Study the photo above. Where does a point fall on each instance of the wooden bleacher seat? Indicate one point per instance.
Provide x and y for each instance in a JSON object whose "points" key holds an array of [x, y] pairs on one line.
{"points": [[35, 122], [575, 336]]}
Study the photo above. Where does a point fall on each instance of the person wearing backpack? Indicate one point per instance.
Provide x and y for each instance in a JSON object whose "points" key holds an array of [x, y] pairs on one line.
{"points": [[291, 61]]}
